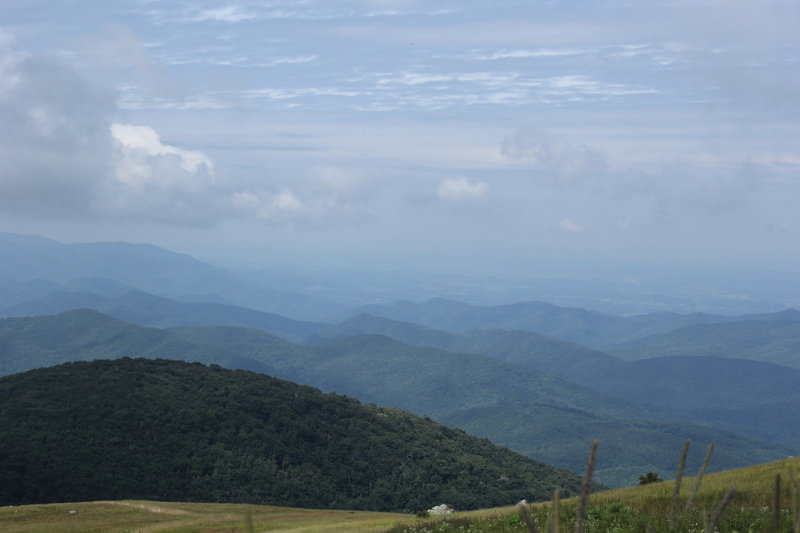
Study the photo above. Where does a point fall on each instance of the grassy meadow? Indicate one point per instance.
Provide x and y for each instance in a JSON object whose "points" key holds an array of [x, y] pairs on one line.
{"points": [[640, 509], [167, 517], [647, 508]]}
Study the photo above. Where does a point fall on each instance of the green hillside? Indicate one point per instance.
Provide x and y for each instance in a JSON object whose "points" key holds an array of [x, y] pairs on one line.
{"points": [[740, 395], [168, 430], [757, 499], [527, 410], [81, 335], [477, 393], [535, 350]]}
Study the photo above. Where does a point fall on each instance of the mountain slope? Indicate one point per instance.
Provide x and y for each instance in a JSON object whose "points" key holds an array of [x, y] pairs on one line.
{"points": [[739, 395], [84, 334], [146, 309], [151, 269], [776, 341], [166, 430], [436, 382], [526, 410], [589, 328], [520, 347]]}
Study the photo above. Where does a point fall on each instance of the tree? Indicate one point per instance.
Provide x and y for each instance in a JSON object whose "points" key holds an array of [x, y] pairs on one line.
{"points": [[650, 477]]}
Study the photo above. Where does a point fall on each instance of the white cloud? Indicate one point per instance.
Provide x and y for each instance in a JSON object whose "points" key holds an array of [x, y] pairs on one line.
{"points": [[230, 14], [570, 226], [522, 54], [139, 147], [461, 190]]}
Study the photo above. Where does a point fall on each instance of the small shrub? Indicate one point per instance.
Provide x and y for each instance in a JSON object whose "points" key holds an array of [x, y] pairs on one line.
{"points": [[650, 477]]}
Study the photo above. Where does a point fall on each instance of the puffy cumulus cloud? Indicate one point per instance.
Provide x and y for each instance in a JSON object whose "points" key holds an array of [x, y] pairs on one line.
{"points": [[140, 149], [158, 181], [554, 155], [461, 190], [63, 157]]}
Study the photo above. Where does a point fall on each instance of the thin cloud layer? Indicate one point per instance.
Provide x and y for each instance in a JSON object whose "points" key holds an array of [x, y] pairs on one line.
{"points": [[641, 124]]}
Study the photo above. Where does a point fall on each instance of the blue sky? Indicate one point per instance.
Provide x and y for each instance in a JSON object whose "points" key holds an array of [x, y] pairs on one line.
{"points": [[449, 134]]}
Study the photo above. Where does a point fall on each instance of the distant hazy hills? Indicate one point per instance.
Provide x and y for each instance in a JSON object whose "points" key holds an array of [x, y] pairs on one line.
{"points": [[582, 326], [84, 334], [775, 341], [539, 378], [746, 396], [30, 263], [149, 310], [166, 430]]}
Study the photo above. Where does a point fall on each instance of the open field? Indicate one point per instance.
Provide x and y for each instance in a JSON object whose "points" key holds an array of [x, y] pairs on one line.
{"points": [[647, 508], [168, 517], [622, 510]]}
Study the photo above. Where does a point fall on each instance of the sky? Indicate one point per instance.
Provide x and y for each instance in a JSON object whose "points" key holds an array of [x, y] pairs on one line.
{"points": [[460, 135]]}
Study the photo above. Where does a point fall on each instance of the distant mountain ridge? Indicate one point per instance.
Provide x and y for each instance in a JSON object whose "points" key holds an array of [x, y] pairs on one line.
{"points": [[149, 268], [589, 328], [710, 390], [775, 341], [149, 310]]}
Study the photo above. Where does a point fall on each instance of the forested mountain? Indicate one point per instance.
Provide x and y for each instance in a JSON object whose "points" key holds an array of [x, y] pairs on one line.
{"points": [[527, 411], [745, 396], [589, 328], [774, 341], [149, 310], [521, 407], [84, 334], [167, 430], [520, 347], [149, 268]]}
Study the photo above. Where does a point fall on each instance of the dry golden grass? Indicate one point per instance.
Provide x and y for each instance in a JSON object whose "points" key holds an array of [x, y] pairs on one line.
{"points": [[168, 517]]}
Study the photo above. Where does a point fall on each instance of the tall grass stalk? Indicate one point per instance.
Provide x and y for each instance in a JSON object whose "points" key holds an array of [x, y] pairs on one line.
{"points": [[586, 486], [699, 480], [712, 523], [794, 504], [776, 505], [553, 525], [676, 492]]}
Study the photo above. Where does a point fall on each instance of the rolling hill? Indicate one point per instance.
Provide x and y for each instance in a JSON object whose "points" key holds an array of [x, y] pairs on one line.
{"points": [[740, 395], [146, 309], [488, 396], [84, 334], [588, 328], [525, 409], [776, 341], [168, 430], [148, 268]]}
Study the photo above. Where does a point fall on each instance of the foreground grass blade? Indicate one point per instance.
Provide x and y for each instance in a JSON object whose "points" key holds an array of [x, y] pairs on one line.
{"points": [[699, 480], [586, 486], [718, 513], [676, 493]]}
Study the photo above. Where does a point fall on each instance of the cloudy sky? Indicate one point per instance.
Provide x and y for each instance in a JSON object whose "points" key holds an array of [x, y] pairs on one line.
{"points": [[423, 133]]}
